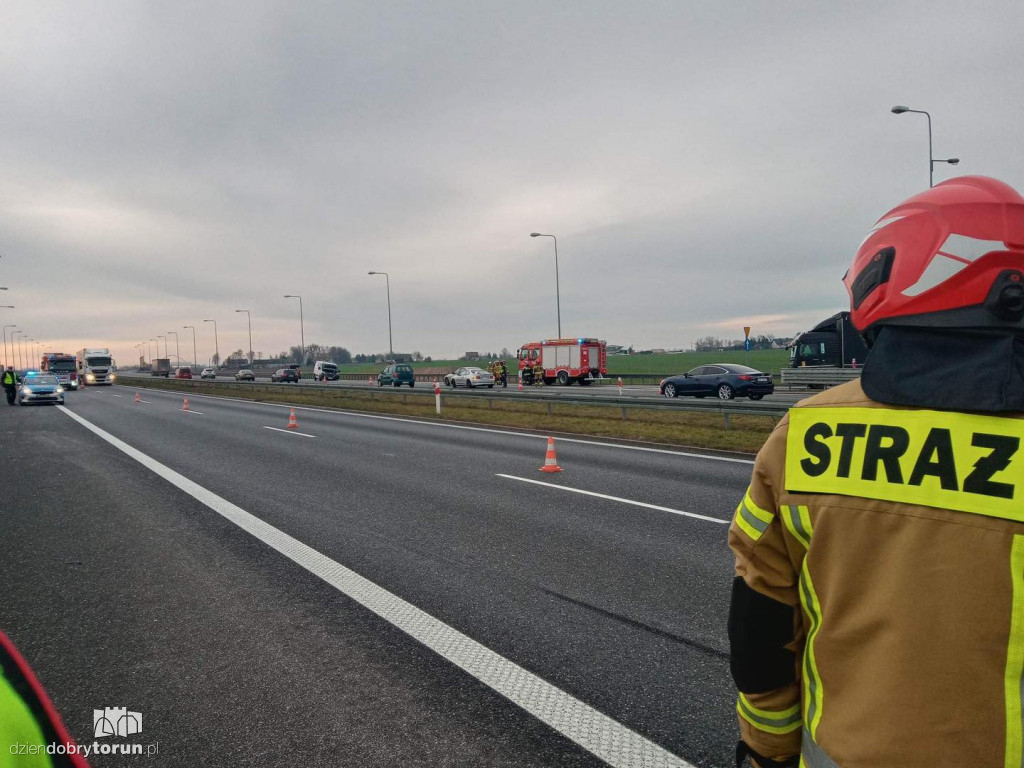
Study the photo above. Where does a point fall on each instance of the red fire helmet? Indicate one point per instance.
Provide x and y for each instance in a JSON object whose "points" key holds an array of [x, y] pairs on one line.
{"points": [[949, 257]]}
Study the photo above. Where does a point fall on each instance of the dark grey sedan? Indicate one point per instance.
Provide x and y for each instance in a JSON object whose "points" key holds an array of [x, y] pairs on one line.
{"points": [[722, 380]]}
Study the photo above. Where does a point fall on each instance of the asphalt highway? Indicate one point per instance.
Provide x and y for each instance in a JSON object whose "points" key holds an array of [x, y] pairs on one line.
{"points": [[160, 560]]}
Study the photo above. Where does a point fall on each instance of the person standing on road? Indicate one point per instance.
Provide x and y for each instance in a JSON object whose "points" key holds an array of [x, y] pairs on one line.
{"points": [[504, 374], [10, 382], [877, 614]]}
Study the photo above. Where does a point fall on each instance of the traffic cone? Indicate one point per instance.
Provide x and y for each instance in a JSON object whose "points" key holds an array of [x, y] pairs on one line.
{"points": [[550, 462], [138, 398], [184, 407], [292, 423], [520, 387]]}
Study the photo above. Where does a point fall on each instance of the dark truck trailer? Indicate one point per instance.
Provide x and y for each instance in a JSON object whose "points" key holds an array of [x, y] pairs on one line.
{"points": [[833, 342]]}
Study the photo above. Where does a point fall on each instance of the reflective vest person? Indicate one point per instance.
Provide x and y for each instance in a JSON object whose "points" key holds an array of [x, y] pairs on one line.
{"points": [[877, 614], [10, 384]]}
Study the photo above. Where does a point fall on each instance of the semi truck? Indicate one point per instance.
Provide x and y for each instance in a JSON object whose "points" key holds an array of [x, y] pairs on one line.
{"points": [[833, 342], [563, 361], [95, 367], [61, 365], [160, 366]]}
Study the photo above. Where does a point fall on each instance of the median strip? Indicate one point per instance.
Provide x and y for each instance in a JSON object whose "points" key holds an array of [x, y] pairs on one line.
{"points": [[616, 498]]}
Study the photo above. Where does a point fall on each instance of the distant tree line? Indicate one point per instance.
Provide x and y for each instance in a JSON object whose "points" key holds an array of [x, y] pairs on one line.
{"points": [[715, 344]]}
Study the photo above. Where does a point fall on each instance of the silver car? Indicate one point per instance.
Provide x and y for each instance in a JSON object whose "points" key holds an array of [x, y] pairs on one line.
{"points": [[40, 388], [208, 373], [469, 377]]}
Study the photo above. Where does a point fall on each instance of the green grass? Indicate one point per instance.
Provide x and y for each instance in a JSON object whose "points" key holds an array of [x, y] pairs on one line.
{"points": [[695, 430], [768, 360]]}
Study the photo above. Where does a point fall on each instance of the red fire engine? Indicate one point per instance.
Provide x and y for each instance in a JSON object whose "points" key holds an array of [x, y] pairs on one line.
{"points": [[563, 360], [62, 366]]}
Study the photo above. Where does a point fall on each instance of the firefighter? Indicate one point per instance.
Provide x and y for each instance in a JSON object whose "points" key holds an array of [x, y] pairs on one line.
{"points": [[877, 613], [538, 373]]}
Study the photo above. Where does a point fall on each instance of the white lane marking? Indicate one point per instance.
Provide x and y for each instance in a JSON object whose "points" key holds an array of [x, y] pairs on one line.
{"points": [[616, 498], [579, 441], [289, 431], [189, 410], [608, 739], [113, 395]]}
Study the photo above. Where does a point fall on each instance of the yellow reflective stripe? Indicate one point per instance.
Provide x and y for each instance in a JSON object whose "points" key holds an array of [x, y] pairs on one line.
{"points": [[751, 519], [798, 521], [813, 688], [1014, 679], [761, 514], [785, 721], [965, 462]]}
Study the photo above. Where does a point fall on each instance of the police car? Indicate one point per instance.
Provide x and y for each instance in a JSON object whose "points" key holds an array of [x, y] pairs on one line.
{"points": [[39, 387]]}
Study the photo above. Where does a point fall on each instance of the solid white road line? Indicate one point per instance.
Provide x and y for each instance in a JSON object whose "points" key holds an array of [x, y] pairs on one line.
{"points": [[616, 498], [608, 739], [197, 413], [289, 431], [113, 395], [579, 441]]}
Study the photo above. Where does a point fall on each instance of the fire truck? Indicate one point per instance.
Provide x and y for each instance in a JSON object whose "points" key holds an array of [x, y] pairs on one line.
{"points": [[563, 360], [62, 366]]}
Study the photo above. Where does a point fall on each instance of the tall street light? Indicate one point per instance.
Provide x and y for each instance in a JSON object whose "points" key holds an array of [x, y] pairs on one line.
{"points": [[216, 343], [249, 316], [932, 160], [8, 360], [165, 345], [391, 344], [14, 347], [154, 341], [302, 327], [558, 302], [177, 346], [195, 356]]}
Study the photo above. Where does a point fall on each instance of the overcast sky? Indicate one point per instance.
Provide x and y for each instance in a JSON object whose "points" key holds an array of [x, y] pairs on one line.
{"points": [[705, 165]]}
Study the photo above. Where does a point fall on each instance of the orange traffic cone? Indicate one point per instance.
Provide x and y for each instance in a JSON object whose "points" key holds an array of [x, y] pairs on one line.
{"points": [[292, 423], [520, 388], [550, 462], [184, 407], [138, 398]]}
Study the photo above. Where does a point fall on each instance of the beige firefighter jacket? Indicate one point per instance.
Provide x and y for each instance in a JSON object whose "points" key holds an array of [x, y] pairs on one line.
{"points": [[894, 539]]}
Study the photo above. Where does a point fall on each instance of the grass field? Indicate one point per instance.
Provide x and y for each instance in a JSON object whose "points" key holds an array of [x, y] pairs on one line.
{"points": [[693, 430], [769, 360]]}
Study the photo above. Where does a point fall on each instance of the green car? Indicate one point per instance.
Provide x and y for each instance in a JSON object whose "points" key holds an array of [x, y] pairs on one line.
{"points": [[396, 376]]}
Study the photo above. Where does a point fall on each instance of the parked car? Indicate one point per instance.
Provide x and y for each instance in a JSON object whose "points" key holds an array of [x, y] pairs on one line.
{"points": [[183, 373], [39, 387], [469, 377], [325, 371], [285, 374], [245, 375], [208, 373], [722, 380], [396, 376]]}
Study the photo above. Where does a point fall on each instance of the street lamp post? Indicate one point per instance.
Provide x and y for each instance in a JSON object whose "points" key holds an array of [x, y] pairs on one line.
{"points": [[14, 348], [387, 280], [302, 326], [165, 345], [195, 355], [249, 317], [8, 360], [151, 355], [216, 343], [932, 160], [558, 302], [177, 346]]}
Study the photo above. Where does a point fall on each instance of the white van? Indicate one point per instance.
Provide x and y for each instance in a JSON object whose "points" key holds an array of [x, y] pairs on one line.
{"points": [[325, 371]]}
